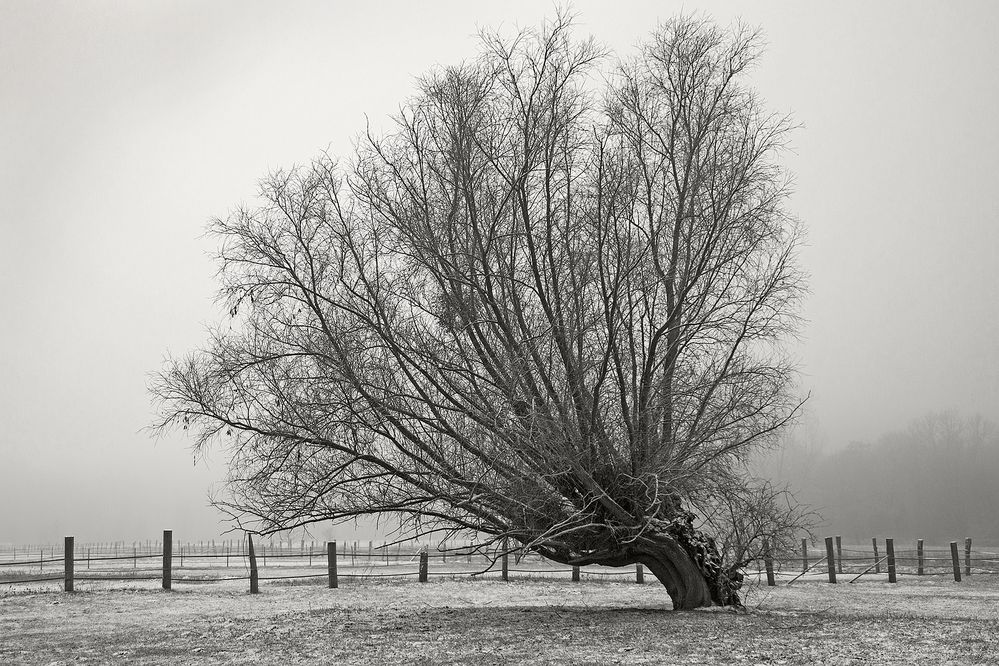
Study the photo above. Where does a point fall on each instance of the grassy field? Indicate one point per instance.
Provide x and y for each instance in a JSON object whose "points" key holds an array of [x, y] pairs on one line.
{"points": [[491, 622]]}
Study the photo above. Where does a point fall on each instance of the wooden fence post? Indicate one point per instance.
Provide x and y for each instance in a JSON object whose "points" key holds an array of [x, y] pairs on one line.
{"points": [[67, 559], [505, 561], [967, 556], [639, 574], [331, 563], [804, 555], [575, 574], [831, 559], [167, 558], [877, 560], [890, 552], [424, 561], [839, 553], [768, 563], [919, 557], [254, 580], [956, 561]]}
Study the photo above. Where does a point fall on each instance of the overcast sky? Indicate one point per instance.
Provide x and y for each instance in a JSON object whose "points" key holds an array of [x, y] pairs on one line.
{"points": [[125, 126]]}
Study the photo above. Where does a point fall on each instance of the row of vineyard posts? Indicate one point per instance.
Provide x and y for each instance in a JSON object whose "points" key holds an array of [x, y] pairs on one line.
{"points": [[833, 560]]}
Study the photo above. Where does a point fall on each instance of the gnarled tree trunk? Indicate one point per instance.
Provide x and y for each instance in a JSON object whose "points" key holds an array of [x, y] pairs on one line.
{"points": [[685, 583], [685, 561], [690, 569]]}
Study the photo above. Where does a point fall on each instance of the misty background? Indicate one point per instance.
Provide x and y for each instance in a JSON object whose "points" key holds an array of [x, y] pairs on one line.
{"points": [[125, 127]]}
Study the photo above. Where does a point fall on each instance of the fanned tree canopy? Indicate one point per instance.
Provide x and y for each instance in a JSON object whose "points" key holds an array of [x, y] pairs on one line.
{"points": [[547, 305]]}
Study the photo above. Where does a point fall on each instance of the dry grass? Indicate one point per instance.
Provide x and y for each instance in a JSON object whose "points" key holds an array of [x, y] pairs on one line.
{"points": [[490, 622]]}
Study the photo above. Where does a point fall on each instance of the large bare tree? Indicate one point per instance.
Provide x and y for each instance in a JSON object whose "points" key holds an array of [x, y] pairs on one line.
{"points": [[548, 306]]}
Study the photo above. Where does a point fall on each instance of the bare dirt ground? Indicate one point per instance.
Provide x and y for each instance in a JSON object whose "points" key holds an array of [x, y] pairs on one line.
{"points": [[491, 622]]}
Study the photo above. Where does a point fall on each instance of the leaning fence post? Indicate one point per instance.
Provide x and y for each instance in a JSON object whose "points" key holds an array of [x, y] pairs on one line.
{"points": [[639, 574], [67, 558], [575, 574], [919, 557], [331, 563], [956, 561], [967, 556], [167, 557], [804, 555], [505, 561], [831, 559], [254, 580], [890, 552], [424, 561], [877, 560], [768, 563], [839, 553]]}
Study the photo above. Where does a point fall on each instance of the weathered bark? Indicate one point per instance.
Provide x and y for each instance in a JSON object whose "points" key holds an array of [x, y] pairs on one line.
{"points": [[685, 561], [685, 583], [689, 567]]}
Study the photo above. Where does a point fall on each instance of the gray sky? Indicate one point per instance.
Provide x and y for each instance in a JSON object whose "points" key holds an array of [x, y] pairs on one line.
{"points": [[125, 126]]}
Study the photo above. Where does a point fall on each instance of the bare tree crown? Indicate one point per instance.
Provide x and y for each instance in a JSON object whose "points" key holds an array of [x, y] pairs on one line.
{"points": [[548, 304]]}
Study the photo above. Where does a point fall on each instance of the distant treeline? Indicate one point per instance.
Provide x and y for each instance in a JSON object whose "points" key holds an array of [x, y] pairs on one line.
{"points": [[938, 480]]}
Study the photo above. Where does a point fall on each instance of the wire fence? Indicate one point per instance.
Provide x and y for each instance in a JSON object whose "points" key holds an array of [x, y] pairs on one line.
{"points": [[152, 563], [211, 562]]}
